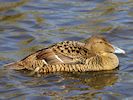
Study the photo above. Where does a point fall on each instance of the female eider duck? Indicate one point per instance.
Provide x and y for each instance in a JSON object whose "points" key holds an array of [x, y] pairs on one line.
{"points": [[95, 54]]}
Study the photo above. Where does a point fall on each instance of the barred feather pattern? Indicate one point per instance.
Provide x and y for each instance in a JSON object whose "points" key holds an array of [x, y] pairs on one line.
{"points": [[90, 65], [97, 63]]}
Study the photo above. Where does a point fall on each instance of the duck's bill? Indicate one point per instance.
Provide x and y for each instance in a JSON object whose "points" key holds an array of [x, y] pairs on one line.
{"points": [[118, 50]]}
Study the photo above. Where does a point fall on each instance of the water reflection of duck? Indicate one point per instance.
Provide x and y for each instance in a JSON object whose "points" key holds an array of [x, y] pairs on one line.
{"points": [[101, 80], [95, 54], [95, 80]]}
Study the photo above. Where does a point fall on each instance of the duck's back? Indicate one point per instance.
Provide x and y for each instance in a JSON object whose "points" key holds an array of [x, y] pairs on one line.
{"points": [[67, 52]]}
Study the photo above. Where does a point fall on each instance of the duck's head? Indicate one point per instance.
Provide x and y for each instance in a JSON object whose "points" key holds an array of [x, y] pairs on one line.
{"points": [[99, 44]]}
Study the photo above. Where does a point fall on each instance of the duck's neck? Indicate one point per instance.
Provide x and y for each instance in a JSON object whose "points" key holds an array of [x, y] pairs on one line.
{"points": [[110, 60], [106, 60]]}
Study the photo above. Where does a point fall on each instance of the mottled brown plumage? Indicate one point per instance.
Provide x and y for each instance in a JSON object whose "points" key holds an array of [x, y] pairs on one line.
{"points": [[95, 54]]}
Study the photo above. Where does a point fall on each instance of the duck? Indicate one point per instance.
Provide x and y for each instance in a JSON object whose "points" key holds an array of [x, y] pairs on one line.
{"points": [[94, 54]]}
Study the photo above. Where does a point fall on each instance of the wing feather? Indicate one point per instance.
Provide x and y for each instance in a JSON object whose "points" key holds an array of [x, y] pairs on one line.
{"points": [[65, 52]]}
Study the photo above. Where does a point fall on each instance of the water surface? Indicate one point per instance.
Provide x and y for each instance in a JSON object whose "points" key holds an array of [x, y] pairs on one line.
{"points": [[29, 25]]}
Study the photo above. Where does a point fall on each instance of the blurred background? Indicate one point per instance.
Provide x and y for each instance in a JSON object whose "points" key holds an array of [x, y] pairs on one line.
{"points": [[29, 25]]}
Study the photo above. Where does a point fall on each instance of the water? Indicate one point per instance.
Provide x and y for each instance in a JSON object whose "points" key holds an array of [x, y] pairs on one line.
{"points": [[29, 25]]}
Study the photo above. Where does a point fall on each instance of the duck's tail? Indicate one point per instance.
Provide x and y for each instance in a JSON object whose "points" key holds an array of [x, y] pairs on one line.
{"points": [[14, 65]]}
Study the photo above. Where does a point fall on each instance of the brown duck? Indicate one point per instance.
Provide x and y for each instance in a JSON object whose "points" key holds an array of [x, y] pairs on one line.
{"points": [[95, 54]]}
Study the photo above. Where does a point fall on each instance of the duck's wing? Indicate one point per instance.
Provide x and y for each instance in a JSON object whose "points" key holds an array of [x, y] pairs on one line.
{"points": [[65, 52], [68, 52]]}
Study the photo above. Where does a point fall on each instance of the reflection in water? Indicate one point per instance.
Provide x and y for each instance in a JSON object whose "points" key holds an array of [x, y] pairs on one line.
{"points": [[96, 80], [4, 6], [60, 85], [12, 18]]}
